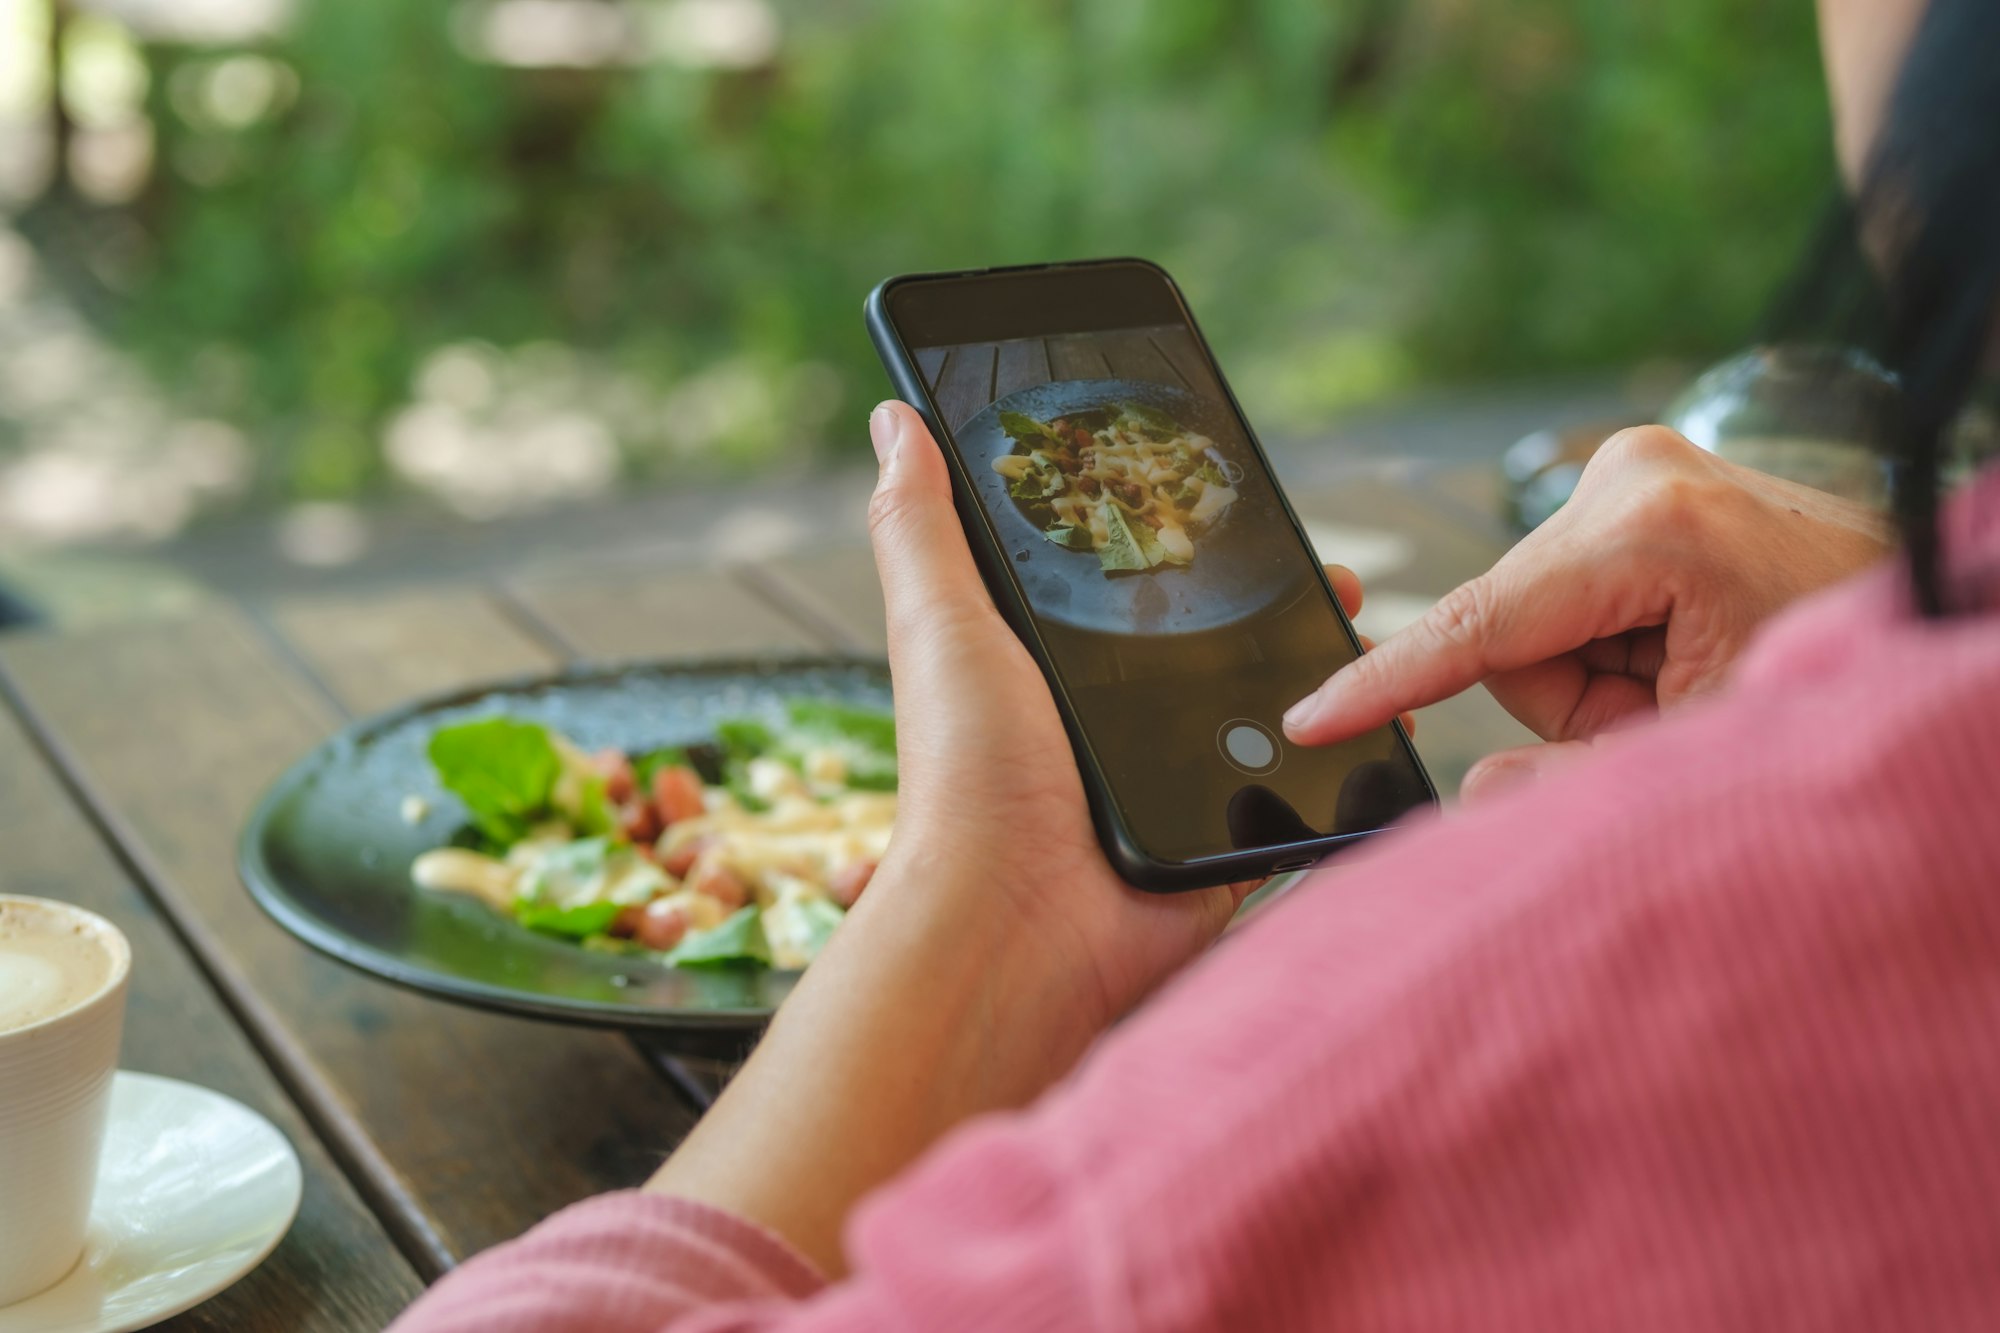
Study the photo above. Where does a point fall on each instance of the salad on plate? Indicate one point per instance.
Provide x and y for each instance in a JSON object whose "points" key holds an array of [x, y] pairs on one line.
{"points": [[744, 849], [1125, 482]]}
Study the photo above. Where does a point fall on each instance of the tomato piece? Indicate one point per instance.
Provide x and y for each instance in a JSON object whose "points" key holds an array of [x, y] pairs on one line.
{"points": [[639, 823], [616, 769], [719, 882], [662, 924], [677, 792], [682, 858]]}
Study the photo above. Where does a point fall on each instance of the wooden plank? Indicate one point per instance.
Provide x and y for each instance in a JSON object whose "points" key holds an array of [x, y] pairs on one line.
{"points": [[965, 386], [464, 1127], [1178, 346], [618, 613], [377, 650], [1022, 363], [930, 361], [337, 1268], [837, 588], [1134, 356], [1077, 358]]}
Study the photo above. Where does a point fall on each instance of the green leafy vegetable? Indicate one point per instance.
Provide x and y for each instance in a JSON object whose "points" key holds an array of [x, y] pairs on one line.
{"points": [[1038, 483], [1021, 426], [864, 739], [740, 939], [577, 922], [503, 770], [1070, 536], [565, 873], [1123, 548], [1212, 474], [651, 762], [1151, 418]]}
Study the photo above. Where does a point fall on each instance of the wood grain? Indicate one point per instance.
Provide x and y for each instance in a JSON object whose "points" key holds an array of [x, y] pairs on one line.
{"points": [[965, 386], [373, 651], [930, 360], [460, 1127], [1077, 358], [1022, 363], [337, 1269], [1179, 348], [621, 613], [1132, 355]]}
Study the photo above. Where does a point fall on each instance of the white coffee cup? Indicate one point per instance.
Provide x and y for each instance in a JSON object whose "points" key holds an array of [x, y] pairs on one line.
{"points": [[62, 1005]]}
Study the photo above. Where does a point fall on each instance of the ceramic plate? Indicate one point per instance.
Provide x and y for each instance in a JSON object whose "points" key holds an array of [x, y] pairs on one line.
{"points": [[1237, 569], [328, 853], [193, 1191]]}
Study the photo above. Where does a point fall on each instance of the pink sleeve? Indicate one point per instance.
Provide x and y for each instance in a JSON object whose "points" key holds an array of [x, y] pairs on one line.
{"points": [[625, 1261]]}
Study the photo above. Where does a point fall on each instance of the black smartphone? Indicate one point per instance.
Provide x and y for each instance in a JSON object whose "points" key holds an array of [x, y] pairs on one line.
{"points": [[1129, 527]]}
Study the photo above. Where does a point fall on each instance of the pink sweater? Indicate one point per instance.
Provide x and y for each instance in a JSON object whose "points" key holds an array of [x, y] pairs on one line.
{"points": [[1702, 1034]]}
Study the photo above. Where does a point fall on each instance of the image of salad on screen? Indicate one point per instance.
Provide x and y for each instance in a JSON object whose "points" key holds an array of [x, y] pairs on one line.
{"points": [[745, 849], [1125, 482]]}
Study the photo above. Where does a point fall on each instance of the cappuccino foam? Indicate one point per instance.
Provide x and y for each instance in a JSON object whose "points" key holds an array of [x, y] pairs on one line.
{"points": [[50, 963]]}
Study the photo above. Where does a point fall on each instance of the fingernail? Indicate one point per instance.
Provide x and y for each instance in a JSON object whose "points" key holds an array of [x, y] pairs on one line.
{"points": [[885, 428], [1300, 714]]}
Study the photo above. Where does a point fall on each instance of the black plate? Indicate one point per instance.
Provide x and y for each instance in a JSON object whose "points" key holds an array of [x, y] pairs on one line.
{"points": [[1233, 575], [327, 852]]}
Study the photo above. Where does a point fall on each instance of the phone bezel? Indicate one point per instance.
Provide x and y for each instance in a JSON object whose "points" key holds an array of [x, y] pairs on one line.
{"points": [[1134, 863]]}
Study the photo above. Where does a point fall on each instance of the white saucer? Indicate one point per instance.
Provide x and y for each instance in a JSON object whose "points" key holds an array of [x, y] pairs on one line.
{"points": [[193, 1191]]}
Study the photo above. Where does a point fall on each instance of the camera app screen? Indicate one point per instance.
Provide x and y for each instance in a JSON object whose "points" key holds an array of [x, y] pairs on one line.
{"points": [[1182, 609]]}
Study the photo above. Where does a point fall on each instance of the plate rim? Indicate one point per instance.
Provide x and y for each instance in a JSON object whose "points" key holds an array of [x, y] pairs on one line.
{"points": [[254, 872]]}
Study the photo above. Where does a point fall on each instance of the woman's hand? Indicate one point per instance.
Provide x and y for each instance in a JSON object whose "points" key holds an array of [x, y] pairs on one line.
{"points": [[1639, 593], [992, 945], [989, 783]]}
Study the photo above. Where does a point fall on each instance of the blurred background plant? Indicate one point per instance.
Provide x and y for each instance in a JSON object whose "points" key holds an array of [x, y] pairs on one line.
{"points": [[499, 252]]}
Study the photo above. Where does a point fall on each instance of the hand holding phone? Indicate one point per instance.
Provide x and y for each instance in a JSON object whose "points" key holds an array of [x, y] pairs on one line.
{"points": [[993, 823], [1127, 525]]}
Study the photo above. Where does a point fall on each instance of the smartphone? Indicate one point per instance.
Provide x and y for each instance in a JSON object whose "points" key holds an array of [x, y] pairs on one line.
{"points": [[1130, 529]]}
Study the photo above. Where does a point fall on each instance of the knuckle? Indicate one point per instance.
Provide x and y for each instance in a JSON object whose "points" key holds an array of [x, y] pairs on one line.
{"points": [[888, 512], [1641, 446], [1464, 615]]}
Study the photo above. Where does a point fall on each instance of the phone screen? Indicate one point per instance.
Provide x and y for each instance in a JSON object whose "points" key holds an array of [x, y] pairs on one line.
{"points": [[1174, 594]]}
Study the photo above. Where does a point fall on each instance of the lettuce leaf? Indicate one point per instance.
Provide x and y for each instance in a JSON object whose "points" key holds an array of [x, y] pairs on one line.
{"points": [[1125, 548], [651, 762], [739, 939], [1149, 418], [864, 739], [504, 771], [1021, 426], [1038, 483], [1069, 536], [575, 922]]}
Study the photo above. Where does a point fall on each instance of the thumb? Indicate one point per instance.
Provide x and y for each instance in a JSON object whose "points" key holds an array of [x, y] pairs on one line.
{"points": [[929, 582], [1505, 770]]}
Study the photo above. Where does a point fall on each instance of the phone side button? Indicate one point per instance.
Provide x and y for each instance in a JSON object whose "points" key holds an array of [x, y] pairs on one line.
{"points": [[1287, 867]]}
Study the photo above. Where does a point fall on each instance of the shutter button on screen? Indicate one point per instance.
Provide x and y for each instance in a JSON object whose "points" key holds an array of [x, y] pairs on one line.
{"points": [[1249, 746]]}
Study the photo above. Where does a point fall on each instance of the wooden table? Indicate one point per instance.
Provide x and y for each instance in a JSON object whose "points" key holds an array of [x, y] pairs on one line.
{"points": [[130, 754]]}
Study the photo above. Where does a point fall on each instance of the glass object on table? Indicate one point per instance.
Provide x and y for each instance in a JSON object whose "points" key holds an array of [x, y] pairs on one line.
{"points": [[1815, 415]]}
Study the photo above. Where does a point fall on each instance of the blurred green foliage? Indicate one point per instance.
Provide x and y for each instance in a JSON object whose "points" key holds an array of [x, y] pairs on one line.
{"points": [[1358, 197]]}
